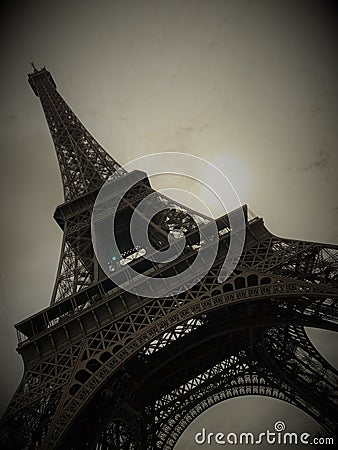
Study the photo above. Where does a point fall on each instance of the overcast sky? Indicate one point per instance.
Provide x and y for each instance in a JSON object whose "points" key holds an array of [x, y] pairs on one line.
{"points": [[249, 85]]}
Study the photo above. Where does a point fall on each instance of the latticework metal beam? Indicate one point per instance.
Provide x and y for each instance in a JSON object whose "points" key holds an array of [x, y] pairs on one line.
{"points": [[135, 370]]}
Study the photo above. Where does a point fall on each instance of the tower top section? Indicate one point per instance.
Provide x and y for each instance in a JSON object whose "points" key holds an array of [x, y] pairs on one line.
{"points": [[40, 75], [84, 164]]}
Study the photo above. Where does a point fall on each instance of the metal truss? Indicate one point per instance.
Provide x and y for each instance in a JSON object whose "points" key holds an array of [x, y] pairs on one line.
{"points": [[103, 352], [84, 164], [220, 360], [246, 372], [136, 371]]}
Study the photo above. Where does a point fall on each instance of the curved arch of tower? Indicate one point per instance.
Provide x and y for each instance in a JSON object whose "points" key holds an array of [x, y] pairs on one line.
{"points": [[108, 369]]}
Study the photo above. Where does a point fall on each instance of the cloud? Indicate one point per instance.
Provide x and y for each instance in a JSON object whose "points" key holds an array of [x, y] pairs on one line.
{"points": [[320, 163]]}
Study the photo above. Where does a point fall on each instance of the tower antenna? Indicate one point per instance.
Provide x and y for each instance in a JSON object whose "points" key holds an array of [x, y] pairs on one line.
{"points": [[33, 65]]}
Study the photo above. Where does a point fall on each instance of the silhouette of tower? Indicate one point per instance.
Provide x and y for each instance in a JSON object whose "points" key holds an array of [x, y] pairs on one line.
{"points": [[107, 369]]}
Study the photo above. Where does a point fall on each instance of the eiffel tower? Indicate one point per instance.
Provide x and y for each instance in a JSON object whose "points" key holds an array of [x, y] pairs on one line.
{"points": [[108, 369]]}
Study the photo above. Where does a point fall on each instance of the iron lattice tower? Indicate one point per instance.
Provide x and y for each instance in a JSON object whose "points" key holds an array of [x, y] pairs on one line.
{"points": [[106, 369]]}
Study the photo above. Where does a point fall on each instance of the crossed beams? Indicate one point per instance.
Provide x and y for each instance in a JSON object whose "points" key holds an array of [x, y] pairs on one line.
{"points": [[294, 279], [84, 164], [110, 347]]}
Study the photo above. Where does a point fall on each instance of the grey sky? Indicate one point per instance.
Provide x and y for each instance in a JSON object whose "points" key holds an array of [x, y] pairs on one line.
{"points": [[248, 85]]}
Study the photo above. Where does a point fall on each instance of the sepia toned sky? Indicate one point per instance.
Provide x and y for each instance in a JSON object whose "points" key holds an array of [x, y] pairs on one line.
{"points": [[250, 86]]}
